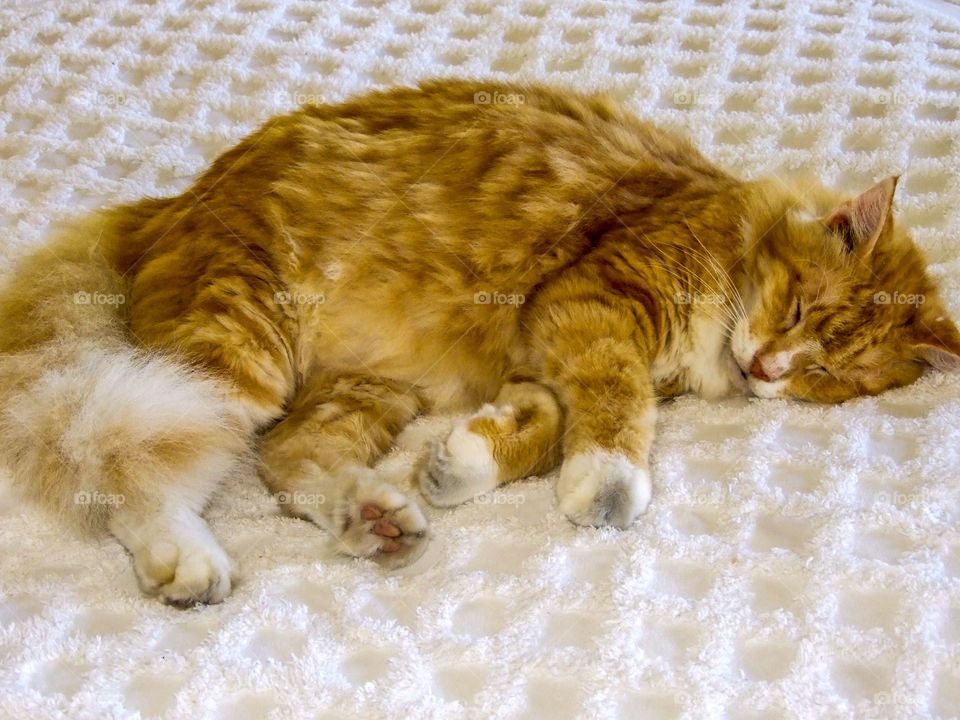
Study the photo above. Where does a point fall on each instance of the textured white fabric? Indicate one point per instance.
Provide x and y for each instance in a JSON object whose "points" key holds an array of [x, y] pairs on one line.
{"points": [[796, 561]]}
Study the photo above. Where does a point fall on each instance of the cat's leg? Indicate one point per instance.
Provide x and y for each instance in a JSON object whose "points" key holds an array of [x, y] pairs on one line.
{"points": [[175, 555], [183, 434], [226, 323], [594, 358], [112, 439], [317, 463], [519, 434]]}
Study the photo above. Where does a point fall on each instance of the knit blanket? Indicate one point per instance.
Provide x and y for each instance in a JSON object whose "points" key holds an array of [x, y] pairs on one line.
{"points": [[797, 561]]}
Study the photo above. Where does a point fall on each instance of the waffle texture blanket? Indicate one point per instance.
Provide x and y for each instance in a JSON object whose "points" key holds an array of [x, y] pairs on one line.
{"points": [[796, 562]]}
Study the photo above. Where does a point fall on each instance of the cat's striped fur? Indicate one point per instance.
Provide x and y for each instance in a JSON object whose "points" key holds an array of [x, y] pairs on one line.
{"points": [[347, 267]]}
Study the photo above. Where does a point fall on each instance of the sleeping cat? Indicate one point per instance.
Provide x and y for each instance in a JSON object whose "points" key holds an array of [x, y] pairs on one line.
{"points": [[551, 260]]}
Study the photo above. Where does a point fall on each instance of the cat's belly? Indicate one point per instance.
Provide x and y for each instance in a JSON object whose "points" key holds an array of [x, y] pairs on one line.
{"points": [[452, 368]]}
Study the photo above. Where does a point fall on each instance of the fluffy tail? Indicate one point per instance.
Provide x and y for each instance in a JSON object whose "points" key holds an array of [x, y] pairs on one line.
{"points": [[89, 422]]}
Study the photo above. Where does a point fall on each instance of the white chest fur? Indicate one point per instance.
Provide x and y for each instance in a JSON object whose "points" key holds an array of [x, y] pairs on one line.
{"points": [[701, 358]]}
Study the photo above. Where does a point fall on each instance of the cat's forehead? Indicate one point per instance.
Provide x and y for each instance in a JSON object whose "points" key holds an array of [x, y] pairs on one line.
{"points": [[805, 214], [806, 237]]}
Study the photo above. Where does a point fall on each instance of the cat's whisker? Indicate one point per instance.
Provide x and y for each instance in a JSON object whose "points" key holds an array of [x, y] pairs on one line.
{"points": [[737, 310], [725, 320], [718, 272]]}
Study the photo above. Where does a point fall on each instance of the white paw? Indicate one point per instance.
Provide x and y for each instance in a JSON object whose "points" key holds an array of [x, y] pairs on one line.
{"points": [[177, 559], [379, 522], [459, 468], [764, 389], [603, 488]]}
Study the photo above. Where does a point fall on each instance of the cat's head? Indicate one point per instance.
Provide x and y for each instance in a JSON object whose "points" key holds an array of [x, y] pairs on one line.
{"points": [[838, 302]]}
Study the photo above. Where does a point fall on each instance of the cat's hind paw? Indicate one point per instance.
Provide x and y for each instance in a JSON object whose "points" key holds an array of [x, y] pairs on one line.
{"points": [[602, 488], [381, 523], [457, 469]]}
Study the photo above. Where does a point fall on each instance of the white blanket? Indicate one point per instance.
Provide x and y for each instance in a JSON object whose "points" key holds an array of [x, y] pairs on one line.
{"points": [[796, 562]]}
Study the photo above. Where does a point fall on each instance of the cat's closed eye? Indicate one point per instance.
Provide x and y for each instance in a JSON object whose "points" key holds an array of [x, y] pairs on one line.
{"points": [[796, 312]]}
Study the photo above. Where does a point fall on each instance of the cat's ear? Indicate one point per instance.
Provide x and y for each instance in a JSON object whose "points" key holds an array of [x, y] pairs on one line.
{"points": [[938, 342], [861, 221]]}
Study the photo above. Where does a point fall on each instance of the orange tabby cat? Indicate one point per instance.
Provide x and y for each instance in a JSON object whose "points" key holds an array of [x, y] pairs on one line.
{"points": [[348, 267]]}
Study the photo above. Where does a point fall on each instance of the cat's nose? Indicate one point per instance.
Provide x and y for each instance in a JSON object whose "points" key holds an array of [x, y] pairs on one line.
{"points": [[758, 371]]}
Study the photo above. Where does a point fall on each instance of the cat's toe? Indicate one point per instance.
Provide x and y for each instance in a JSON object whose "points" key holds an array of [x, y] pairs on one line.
{"points": [[384, 526], [183, 573], [602, 488], [458, 469]]}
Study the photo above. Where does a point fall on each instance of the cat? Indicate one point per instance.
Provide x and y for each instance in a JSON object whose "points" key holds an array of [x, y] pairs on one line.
{"points": [[536, 253]]}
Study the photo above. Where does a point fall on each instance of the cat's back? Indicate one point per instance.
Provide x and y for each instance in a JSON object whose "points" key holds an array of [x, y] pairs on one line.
{"points": [[503, 176], [446, 112]]}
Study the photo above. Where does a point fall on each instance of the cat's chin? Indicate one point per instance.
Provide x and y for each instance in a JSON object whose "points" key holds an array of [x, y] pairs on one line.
{"points": [[769, 390]]}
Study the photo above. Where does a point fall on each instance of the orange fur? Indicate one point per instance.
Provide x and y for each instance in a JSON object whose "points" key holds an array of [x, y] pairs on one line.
{"points": [[348, 266]]}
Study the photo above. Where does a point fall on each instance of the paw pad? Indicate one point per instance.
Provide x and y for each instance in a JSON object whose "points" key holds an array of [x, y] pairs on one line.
{"points": [[384, 525]]}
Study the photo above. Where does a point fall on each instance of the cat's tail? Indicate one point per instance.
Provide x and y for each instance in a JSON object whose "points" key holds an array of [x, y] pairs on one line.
{"points": [[89, 421]]}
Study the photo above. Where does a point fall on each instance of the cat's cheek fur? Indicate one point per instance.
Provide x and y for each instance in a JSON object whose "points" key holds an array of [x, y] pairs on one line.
{"points": [[743, 344], [602, 488]]}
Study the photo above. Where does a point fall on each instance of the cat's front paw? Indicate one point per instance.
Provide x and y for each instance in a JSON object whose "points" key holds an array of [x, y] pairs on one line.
{"points": [[601, 488], [381, 523], [178, 561], [458, 469]]}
